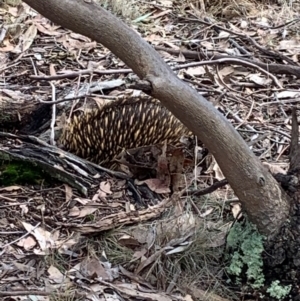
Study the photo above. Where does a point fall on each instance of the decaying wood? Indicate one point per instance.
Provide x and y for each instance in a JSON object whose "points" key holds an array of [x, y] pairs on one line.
{"points": [[76, 172], [65, 167], [17, 114]]}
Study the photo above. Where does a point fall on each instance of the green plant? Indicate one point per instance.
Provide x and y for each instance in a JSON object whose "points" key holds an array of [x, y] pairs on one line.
{"points": [[278, 291], [247, 246]]}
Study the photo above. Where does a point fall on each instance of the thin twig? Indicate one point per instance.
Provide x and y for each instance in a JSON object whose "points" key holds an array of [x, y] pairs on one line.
{"points": [[53, 118], [20, 238], [234, 61]]}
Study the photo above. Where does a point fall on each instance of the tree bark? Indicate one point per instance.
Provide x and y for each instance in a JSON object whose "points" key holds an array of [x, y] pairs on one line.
{"points": [[14, 115], [261, 197], [25, 118]]}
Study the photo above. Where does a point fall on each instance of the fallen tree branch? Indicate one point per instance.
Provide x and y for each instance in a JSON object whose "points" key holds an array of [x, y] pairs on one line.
{"points": [[63, 166], [271, 68], [234, 61]]}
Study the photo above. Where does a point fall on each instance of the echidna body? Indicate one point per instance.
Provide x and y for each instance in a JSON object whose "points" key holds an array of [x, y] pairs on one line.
{"points": [[101, 134]]}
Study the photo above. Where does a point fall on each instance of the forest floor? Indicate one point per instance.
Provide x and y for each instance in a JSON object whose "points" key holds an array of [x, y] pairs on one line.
{"points": [[58, 244]]}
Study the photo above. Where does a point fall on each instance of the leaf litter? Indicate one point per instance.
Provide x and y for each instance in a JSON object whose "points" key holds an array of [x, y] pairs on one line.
{"points": [[175, 243]]}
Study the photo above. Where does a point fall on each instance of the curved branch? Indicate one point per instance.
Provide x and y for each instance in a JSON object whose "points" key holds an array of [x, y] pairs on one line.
{"points": [[258, 191]]}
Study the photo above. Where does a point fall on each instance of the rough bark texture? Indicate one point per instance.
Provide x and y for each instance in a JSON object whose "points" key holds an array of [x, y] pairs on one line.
{"points": [[16, 115], [282, 253], [294, 146], [261, 196]]}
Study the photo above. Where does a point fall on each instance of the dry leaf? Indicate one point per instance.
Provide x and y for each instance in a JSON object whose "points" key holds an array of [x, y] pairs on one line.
{"points": [[28, 37], [157, 186], [27, 243], [69, 193], [236, 209], [55, 275], [106, 187]]}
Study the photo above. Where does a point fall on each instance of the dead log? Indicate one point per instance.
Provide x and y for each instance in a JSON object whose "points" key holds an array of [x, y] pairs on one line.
{"points": [[14, 114]]}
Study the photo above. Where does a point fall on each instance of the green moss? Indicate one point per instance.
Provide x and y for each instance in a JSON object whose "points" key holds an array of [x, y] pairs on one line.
{"points": [[22, 173]]}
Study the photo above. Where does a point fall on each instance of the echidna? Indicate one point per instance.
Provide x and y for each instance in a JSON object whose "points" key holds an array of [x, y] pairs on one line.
{"points": [[101, 134]]}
